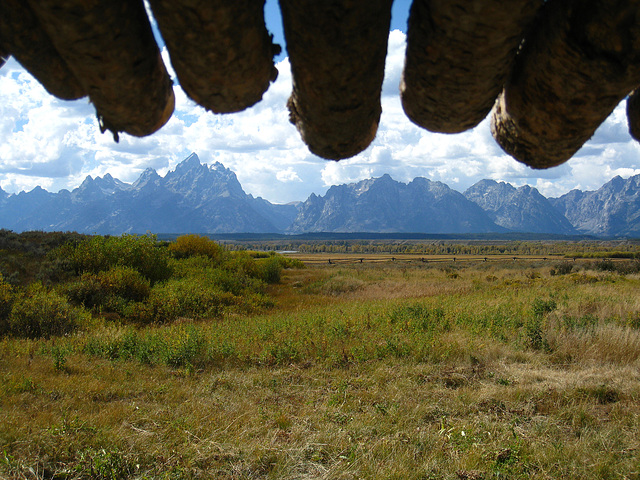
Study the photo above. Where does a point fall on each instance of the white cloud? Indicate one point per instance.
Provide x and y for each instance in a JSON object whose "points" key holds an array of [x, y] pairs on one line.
{"points": [[288, 175], [55, 144]]}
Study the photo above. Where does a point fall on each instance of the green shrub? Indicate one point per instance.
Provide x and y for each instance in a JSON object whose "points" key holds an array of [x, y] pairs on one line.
{"points": [[562, 268], [605, 265], [87, 291], [243, 263], [195, 245], [271, 270], [6, 303], [223, 277], [125, 282], [99, 254], [109, 290], [183, 297], [288, 262], [41, 313]]}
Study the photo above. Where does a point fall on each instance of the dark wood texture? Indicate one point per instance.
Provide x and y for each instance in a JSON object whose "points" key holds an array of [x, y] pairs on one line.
{"points": [[337, 50], [633, 114], [459, 54], [22, 36], [581, 60], [109, 46], [221, 50]]}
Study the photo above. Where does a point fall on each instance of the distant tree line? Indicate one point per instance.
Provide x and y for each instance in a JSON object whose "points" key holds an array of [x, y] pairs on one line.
{"points": [[580, 249]]}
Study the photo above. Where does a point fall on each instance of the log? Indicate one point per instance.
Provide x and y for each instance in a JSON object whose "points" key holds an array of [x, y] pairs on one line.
{"points": [[337, 51], [581, 60], [220, 50], [22, 36], [633, 114], [459, 55], [109, 46], [4, 55]]}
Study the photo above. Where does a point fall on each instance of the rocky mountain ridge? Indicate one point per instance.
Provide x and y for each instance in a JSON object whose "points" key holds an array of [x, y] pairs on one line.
{"points": [[195, 197], [192, 198]]}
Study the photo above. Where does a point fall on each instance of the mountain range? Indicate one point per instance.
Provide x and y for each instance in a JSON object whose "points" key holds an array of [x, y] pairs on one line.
{"points": [[209, 199]]}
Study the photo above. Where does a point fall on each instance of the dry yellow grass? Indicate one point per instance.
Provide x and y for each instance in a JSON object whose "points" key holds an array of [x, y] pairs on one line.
{"points": [[428, 372]]}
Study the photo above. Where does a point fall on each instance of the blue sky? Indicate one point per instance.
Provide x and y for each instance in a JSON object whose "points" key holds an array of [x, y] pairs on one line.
{"points": [[56, 144]]}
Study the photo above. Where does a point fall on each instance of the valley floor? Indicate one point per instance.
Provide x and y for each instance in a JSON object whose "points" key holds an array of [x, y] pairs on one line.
{"points": [[380, 370]]}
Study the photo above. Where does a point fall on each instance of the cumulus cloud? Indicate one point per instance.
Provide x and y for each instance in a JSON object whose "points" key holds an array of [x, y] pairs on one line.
{"points": [[55, 144]]}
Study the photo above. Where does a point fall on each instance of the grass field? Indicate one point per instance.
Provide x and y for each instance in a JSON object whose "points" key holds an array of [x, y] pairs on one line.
{"points": [[385, 369]]}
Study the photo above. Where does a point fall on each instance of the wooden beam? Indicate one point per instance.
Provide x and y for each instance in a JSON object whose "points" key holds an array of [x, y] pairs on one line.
{"points": [[109, 46], [221, 50], [337, 50], [22, 36], [581, 60], [459, 55]]}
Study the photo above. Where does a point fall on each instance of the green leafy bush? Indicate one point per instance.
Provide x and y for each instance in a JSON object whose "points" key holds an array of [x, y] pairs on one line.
{"points": [[6, 303], [562, 268], [42, 313], [271, 270], [99, 254], [110, 289], [243, 263], [183, 297], [195, 245]]}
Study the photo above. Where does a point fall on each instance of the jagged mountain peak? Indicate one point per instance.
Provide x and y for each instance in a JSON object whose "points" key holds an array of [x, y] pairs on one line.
{"points": [[195, 197], [612, 210], [385, 205], [147, 177], [191, 161], [364, 186], [521, 209], [106, 185]]}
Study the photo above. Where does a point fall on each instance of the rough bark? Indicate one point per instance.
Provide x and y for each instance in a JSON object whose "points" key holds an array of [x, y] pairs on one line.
{"points": [[4, 55], [459, 55], [221, 50], [22, 36], [337, 50], [633, 114], [581, 60], [109, 46]]}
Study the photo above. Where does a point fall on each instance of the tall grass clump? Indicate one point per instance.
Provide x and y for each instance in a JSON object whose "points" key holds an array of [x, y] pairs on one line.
{"points": [[535, 325]]}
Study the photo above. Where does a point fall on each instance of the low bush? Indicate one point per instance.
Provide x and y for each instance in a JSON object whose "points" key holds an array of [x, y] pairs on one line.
{"points": [[41, 313], [108, 290], [99, 254], [194, 245], [183, 297], [605, 265], [562, 268], [271, 270], [621, 267], [6, 303]]}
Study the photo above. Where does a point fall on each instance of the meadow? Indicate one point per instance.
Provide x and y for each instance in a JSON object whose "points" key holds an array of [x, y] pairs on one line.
{"points": [[246, 365]]}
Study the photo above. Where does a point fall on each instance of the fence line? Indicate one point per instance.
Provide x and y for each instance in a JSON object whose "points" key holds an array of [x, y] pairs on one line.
{"points": [[444, 259]]}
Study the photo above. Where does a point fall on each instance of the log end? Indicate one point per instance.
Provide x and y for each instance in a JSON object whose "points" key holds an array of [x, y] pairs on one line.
{"points": [[139, 129], [437, 119], [334, 136], [518, 140], [4, 56], [633, 114]]}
